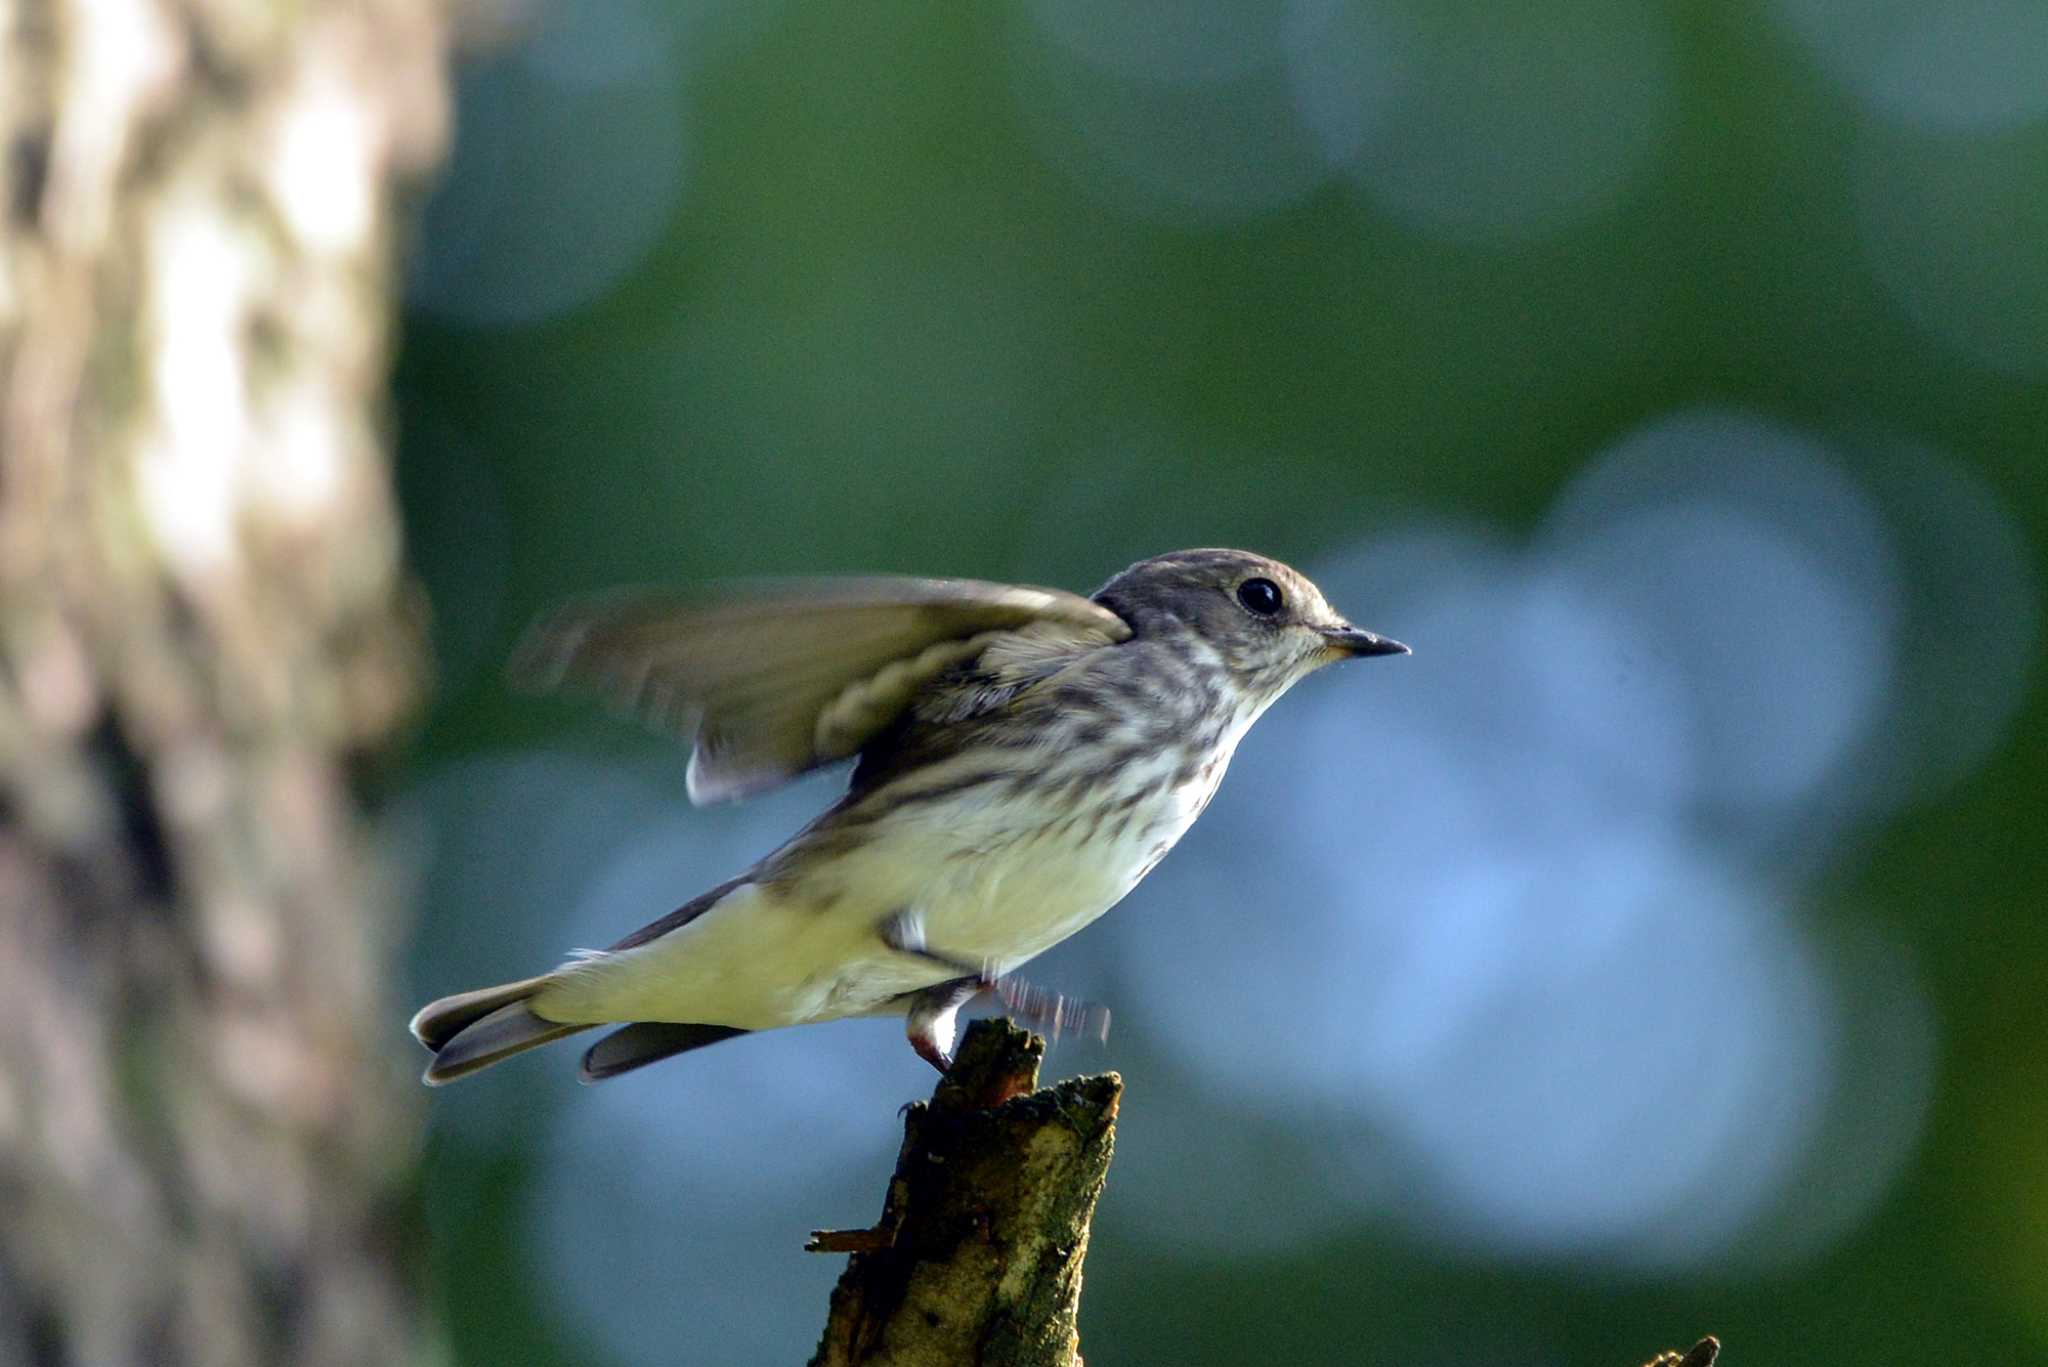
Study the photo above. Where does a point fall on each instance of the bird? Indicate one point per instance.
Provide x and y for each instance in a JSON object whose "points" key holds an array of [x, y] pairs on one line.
{"points": [[1022, 758]]}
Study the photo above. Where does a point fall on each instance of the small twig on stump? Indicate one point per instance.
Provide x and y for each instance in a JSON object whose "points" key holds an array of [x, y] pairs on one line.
{"points": [[976, 1261]]}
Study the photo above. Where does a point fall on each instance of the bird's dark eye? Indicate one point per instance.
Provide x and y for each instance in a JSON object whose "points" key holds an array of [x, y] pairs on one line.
{"points": [[1260, 597]]}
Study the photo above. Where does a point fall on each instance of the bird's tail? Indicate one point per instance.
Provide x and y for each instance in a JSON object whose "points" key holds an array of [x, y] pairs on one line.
{"points": [[473, 1030]]}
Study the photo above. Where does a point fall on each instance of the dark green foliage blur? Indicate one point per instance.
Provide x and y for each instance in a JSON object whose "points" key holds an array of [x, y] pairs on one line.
{"points": [[882, 330]]}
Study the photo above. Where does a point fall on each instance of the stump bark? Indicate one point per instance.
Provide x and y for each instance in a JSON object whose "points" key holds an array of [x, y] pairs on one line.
{"points": [[976, 1261]]}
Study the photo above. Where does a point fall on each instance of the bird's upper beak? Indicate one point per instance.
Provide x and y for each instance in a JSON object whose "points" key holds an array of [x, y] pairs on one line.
{"points": [[1352, 641]]}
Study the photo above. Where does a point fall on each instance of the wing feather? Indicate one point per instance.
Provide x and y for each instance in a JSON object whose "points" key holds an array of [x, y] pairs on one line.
{"points": [[770, 679]]}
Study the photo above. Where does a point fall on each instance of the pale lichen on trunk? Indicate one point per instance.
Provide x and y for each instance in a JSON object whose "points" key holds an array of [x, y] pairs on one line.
{"points": [[203, 628]]}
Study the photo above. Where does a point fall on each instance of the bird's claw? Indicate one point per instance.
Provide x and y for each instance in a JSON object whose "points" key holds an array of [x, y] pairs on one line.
{"points": [[932, 1023], [1050, 1012]]}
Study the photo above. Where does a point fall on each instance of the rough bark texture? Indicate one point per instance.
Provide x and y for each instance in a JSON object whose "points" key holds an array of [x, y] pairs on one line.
{"points": [[1705, 1353], [202, 628], [976, 1261]]}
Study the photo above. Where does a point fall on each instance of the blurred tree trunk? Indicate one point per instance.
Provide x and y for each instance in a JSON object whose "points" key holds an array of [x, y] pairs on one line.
{"points": [[203, 1130]]}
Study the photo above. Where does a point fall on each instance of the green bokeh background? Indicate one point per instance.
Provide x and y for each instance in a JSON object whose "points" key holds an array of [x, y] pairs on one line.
{"points": [[883, 331]]}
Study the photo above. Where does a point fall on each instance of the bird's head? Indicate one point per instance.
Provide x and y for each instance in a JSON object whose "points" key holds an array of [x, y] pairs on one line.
{"points": [[1268, 624]]}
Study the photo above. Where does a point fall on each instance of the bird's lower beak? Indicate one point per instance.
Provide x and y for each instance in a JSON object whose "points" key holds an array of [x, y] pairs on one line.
{"points": [[1353, 641]]}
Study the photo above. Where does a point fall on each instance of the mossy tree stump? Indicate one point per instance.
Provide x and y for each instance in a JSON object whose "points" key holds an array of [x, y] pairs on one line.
{"points": [[976, 1261]]}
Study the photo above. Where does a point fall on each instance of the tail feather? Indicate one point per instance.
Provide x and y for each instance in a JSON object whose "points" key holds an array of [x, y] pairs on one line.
{"points": [[473, 1030], [647, 1042], [441, 1021]]}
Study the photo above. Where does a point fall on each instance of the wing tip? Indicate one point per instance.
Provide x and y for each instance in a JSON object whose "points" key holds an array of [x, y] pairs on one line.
{"points": [[635, 1045], [547, 650], [708, 783]]}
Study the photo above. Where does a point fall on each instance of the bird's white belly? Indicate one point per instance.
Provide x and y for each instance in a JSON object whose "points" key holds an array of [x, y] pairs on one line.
{"points": [[1007, 880], [985, 885]]}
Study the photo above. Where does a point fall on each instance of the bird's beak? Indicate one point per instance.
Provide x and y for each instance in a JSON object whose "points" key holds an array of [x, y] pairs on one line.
{"points": [[1352, 641]]}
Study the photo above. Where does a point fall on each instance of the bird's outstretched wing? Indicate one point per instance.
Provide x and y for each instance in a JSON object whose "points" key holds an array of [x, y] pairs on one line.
{"points": [[772, 678]]}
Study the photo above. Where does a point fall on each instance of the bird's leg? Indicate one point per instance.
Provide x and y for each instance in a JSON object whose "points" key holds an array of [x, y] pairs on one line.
{"points": [[934, 1018], [934, 1012], [904, 933]]}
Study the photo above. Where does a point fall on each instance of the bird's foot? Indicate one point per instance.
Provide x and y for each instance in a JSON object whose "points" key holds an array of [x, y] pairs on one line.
{"points": [[934, 1016], [933, 1020], [1050, 1013]]}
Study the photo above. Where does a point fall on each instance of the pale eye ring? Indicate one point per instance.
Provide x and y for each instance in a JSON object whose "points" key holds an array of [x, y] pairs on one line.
{"points": [[1260, 597]]}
